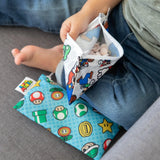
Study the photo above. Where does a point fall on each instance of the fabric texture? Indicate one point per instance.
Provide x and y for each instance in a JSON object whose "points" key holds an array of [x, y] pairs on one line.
{"points": [[143, 18], [76, 124]]}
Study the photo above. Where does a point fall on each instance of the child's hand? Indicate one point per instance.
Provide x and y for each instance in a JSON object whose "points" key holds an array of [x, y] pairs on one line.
{"points": [[78, 23], [74, 25]]}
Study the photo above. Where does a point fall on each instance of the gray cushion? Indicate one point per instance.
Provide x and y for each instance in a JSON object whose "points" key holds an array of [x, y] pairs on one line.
{"points": [[20, 138], [141, 141]]}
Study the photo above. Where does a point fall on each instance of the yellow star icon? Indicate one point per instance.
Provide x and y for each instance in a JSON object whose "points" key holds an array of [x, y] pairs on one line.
{"points": [[106, 126], [37, 84]]}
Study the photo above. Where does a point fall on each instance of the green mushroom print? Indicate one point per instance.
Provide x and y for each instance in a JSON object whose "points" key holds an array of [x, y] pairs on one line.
{"points": [[60, 113]]}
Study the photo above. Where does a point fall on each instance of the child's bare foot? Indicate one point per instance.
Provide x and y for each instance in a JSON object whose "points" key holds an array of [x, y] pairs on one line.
{"points": [[33, 56]]}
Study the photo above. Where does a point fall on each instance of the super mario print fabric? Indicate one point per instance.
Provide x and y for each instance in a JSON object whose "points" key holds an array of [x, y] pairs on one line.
{"points": [[47, 104], [89, 57]]}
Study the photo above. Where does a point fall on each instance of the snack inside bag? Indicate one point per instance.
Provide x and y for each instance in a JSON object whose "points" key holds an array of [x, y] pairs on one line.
{"points": [[89, 57]]}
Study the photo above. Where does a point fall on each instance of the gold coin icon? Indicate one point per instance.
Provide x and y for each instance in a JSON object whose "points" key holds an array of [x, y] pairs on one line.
{"points": [[85, 129]]}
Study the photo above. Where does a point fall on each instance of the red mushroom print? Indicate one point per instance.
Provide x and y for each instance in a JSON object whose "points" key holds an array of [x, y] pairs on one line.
{"points": [[36, 97]]}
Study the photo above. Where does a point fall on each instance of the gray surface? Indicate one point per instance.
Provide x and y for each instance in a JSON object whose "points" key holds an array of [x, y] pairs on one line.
{"points": [[20, 138], [142, 140]]}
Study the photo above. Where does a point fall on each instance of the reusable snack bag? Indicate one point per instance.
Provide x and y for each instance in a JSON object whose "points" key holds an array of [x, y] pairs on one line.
{"points": [[89, 57], [77, 124]]}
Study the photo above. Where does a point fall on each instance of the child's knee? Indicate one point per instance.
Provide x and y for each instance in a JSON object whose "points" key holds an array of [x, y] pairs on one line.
{"points": [[125, 114]]}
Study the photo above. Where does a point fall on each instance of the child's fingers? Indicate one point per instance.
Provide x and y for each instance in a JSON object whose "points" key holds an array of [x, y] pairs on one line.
{"points": [[63, 37], [65, 28]]}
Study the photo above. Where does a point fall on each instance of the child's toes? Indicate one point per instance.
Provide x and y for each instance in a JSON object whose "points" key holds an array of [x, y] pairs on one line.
{"points": [[15, 51], [18, 59]]}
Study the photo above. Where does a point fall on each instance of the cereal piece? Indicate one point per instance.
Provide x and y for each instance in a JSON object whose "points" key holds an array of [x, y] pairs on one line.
{"points": [[104, 50]]}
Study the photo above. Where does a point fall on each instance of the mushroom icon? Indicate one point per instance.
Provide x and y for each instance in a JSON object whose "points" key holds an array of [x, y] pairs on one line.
{"points": [[36, 97]]}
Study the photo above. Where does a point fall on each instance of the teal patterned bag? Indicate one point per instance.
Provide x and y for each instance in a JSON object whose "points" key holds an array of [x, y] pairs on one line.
{"points": [[76, 124]]}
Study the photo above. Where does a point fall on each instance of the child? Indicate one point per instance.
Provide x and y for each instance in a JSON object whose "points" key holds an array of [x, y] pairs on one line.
{"points": [[125, 92]]}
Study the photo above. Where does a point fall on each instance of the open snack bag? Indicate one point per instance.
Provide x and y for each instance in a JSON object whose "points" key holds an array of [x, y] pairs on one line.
{"points": [[89, 57]]}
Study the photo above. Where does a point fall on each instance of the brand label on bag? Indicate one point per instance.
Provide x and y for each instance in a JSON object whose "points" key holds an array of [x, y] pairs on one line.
{"points": [[25, 85]]}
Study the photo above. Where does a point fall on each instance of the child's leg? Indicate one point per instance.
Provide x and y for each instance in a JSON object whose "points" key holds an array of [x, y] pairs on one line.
{"points": [[47, 15], [33, 56], [125, 92]]}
